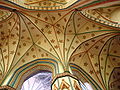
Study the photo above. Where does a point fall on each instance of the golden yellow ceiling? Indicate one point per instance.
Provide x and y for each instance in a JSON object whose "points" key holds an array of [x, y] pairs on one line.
{"points": [[86, 37], [44, 4], [4, 14]]}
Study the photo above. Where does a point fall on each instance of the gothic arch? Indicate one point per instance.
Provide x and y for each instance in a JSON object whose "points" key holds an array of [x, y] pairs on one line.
{"points": [[32, 68]]}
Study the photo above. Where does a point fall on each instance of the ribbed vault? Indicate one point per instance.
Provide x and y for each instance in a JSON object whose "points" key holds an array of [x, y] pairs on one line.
{"points": [[87, 38]]}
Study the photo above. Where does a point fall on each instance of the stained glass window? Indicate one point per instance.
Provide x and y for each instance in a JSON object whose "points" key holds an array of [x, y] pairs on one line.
{"points": [[89, 87], [40, 81], [85, 86]]}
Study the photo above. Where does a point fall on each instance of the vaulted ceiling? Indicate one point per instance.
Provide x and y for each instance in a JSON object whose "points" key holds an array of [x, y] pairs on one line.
{"points": [[81, 32]]}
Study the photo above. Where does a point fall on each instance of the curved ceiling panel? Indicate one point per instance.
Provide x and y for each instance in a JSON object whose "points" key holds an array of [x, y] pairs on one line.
{"points": [[108, 15], [114, 81], [44, 4], [66, 36], [4, 14]]}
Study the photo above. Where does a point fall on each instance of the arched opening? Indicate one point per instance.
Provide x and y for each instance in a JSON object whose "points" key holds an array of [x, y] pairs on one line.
{"points": [[39, 81], [41, 67], [85, 80]]}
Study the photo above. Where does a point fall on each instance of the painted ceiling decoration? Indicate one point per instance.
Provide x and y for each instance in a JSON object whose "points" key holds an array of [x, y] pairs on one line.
{"points": [[104, 15], [43, 4], [4, 14], [48, 5], [76, 36]]}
